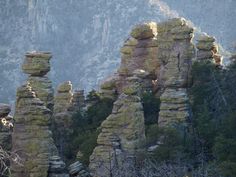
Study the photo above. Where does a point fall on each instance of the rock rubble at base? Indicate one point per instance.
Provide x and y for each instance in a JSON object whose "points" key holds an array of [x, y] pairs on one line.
{"points": [[57, 168], [78, 170]]}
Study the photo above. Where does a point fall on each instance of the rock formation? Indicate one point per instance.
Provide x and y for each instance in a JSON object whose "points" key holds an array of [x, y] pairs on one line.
{"points": [[208, 49], [57, 168], [37, 65], [32, 138], [62, 117], [5, 126], [66, 105], [175, 52], [157, 57], [78, 170], [121, 133]]}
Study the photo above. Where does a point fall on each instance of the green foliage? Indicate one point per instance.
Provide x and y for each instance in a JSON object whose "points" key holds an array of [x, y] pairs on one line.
{"points": [[86, 126], [214, 119], [151, 107]]}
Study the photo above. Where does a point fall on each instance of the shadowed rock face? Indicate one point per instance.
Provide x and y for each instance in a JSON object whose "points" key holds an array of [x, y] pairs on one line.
{"points": [[32, 138], [5, 126], [121, 133], [4, 110], [57, 168], [37, 65], [62, 117]]}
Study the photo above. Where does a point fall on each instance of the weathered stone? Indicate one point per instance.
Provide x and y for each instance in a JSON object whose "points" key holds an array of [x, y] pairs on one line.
{"points": [[5, 109], [57, 168], [127, 112], [32, 137], [42, 87], [6, 125], [174, 107], [65, 106], [144, 31], [78, 170], [208, 49], [37, 63]]}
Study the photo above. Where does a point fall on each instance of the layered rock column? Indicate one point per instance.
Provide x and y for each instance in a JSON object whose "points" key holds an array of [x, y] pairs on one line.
{"points": [[62, 116], [208, 49], [32, 138], [175, 52], [122, 133], [37, 65], [139, 54], [6, 126]]}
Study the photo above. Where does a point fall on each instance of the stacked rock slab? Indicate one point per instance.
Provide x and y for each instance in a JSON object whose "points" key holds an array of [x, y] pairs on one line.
{"points": [[57, 168], [62, 116], [37, 65], [32, 138], [208, 49], [78, 170], [5, 126], [139, 54], [175, 52], [121, 133], [138, 57]]}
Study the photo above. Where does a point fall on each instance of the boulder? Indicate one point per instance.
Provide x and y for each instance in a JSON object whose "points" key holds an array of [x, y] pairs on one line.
{"points": [[37, 63], [144, 31], [78, 170], [57, 168]]}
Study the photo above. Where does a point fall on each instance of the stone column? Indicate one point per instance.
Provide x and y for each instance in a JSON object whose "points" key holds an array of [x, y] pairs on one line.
{"points": [[122, 135], [32, 137], [37, 65], [175, 52]]}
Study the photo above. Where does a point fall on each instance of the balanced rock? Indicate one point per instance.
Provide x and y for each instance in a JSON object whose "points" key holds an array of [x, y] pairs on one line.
{"points": [[32, 138], [115, 140], [37, 63], [57, 168], [78, 170], [144, 31]]}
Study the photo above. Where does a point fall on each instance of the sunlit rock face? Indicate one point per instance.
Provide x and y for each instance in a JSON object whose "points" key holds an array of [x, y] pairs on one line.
{"points": [[89, 34], [122, 134], [37, 65], [176, 52]]}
